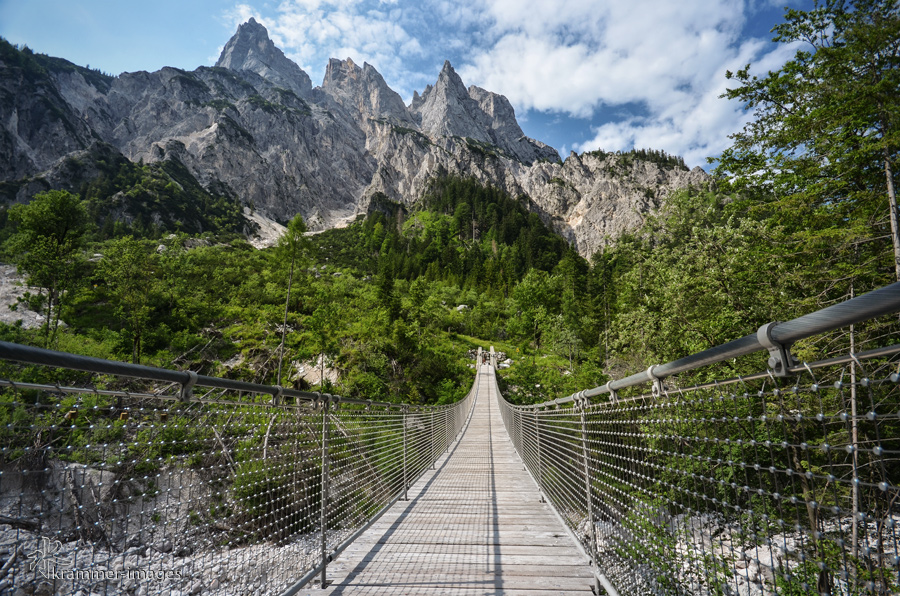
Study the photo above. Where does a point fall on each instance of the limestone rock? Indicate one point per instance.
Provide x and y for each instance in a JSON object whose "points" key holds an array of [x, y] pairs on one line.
{"points": [[505, 131], [251, 49], [363, 93], [254, 128], [37, 125], [448, 111]]}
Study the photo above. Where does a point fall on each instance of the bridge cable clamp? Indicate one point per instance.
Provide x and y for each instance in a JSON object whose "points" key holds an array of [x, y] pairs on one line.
{"points": [[187, 388], [613, 394], [277, 395], [780, 359], [658, 387], [580, 401]]}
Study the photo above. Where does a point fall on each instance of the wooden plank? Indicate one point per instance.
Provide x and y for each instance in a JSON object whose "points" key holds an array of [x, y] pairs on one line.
{"points": [[480, 580], [463, 590], [360, 573], [497, 559], [453, 583], [459, 537], [456, 548], [474, 525], [487, 525]]}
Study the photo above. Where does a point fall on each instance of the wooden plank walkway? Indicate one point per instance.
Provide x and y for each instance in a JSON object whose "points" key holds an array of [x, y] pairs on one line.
{"points": [[474, 526]]}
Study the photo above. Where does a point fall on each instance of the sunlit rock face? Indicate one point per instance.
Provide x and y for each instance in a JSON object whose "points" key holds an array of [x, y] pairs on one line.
{"points": [[254, 127], [251, 50]]}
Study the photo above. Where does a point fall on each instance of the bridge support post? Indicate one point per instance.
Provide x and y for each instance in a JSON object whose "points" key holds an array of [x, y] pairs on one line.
{"points": [[323, 513], [581, 403], [520, 447], [431, 449], [537, 432], [405, 484], [780, 358]]}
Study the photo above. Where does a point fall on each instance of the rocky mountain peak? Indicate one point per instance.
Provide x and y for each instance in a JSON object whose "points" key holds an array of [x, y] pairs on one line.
{"points": [[363, 92], [250, 49], [498, 109], [505, 129], [446, 110], [449, 109], [449, 82], [237, 131], [418, 100]]}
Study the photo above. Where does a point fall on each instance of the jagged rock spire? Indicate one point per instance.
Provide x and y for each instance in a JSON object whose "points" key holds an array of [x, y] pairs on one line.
{"points": [[363, 91], [250, 49], [449, 109]]}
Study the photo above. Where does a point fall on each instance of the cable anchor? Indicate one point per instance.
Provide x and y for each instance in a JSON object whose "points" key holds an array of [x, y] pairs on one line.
{"points": [[658, 387], [187, 388], [780, 358]]}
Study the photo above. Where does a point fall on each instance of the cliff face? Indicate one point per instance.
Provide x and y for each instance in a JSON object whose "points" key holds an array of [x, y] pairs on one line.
{"points": [[253, 126], [251, 50]]}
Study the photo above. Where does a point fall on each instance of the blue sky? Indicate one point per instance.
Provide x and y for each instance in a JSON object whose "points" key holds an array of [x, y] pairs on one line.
{"points": [[581, 74]]}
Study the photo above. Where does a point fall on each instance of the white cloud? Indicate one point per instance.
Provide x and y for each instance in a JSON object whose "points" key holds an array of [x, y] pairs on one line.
{"points": [[578, 56], [581, 58], [584, 57], [312, 31], [698, 124], [240, 13]]}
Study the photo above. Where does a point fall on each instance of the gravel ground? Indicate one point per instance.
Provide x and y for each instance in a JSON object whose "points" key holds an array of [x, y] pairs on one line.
{"points": [[12, 287], [269, 230]]}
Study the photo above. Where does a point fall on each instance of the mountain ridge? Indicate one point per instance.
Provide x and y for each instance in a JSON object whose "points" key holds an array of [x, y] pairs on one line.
{"points": [[256, 128]]}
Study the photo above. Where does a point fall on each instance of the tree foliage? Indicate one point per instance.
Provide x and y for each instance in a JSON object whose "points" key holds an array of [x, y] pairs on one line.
{"points": [[46, 244], [821, 148], [128, 270]]}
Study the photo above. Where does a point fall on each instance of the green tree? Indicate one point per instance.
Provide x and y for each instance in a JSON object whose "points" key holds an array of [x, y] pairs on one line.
{"points": [[534, 298], [823, 141], [562, 338], [292, 246], [49, 234], [128, 272], [322, 323]]}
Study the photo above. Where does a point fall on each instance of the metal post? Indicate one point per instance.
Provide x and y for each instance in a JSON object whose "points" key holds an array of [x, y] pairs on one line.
{"points": [[433, 455], [581, 403], [537, 431], [521, 431], [405, 487], [323, 514], [854, 442]]}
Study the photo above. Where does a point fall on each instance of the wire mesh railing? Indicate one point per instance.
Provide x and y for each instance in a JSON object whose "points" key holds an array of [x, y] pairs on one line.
{"points": [[710, 482], [124, 479]]}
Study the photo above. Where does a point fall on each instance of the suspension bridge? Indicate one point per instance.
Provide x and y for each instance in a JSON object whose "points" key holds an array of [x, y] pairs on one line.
{"points": [[686, 478], [476, 524]]}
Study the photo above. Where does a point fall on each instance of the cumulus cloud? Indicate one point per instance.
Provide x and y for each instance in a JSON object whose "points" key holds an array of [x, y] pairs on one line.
{"points": [[585, 58], [579, 58], [696, 122], [312, 31]]}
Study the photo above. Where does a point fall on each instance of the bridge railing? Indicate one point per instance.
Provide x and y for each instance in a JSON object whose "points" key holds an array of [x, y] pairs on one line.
{"points": [[117, 478], [704, 482]]}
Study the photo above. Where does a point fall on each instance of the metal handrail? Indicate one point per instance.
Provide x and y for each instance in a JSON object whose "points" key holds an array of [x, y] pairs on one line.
{"points": [[305, 477], [782, 481], [874, 304], [43, 357]]}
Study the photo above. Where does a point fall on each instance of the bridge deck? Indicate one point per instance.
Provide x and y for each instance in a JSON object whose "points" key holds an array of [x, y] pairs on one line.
{"points": [[473, 526]]}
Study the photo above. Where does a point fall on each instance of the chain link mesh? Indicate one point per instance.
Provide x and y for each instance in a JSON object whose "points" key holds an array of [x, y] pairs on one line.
{"points": [[116, 486], [748, 485]]}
